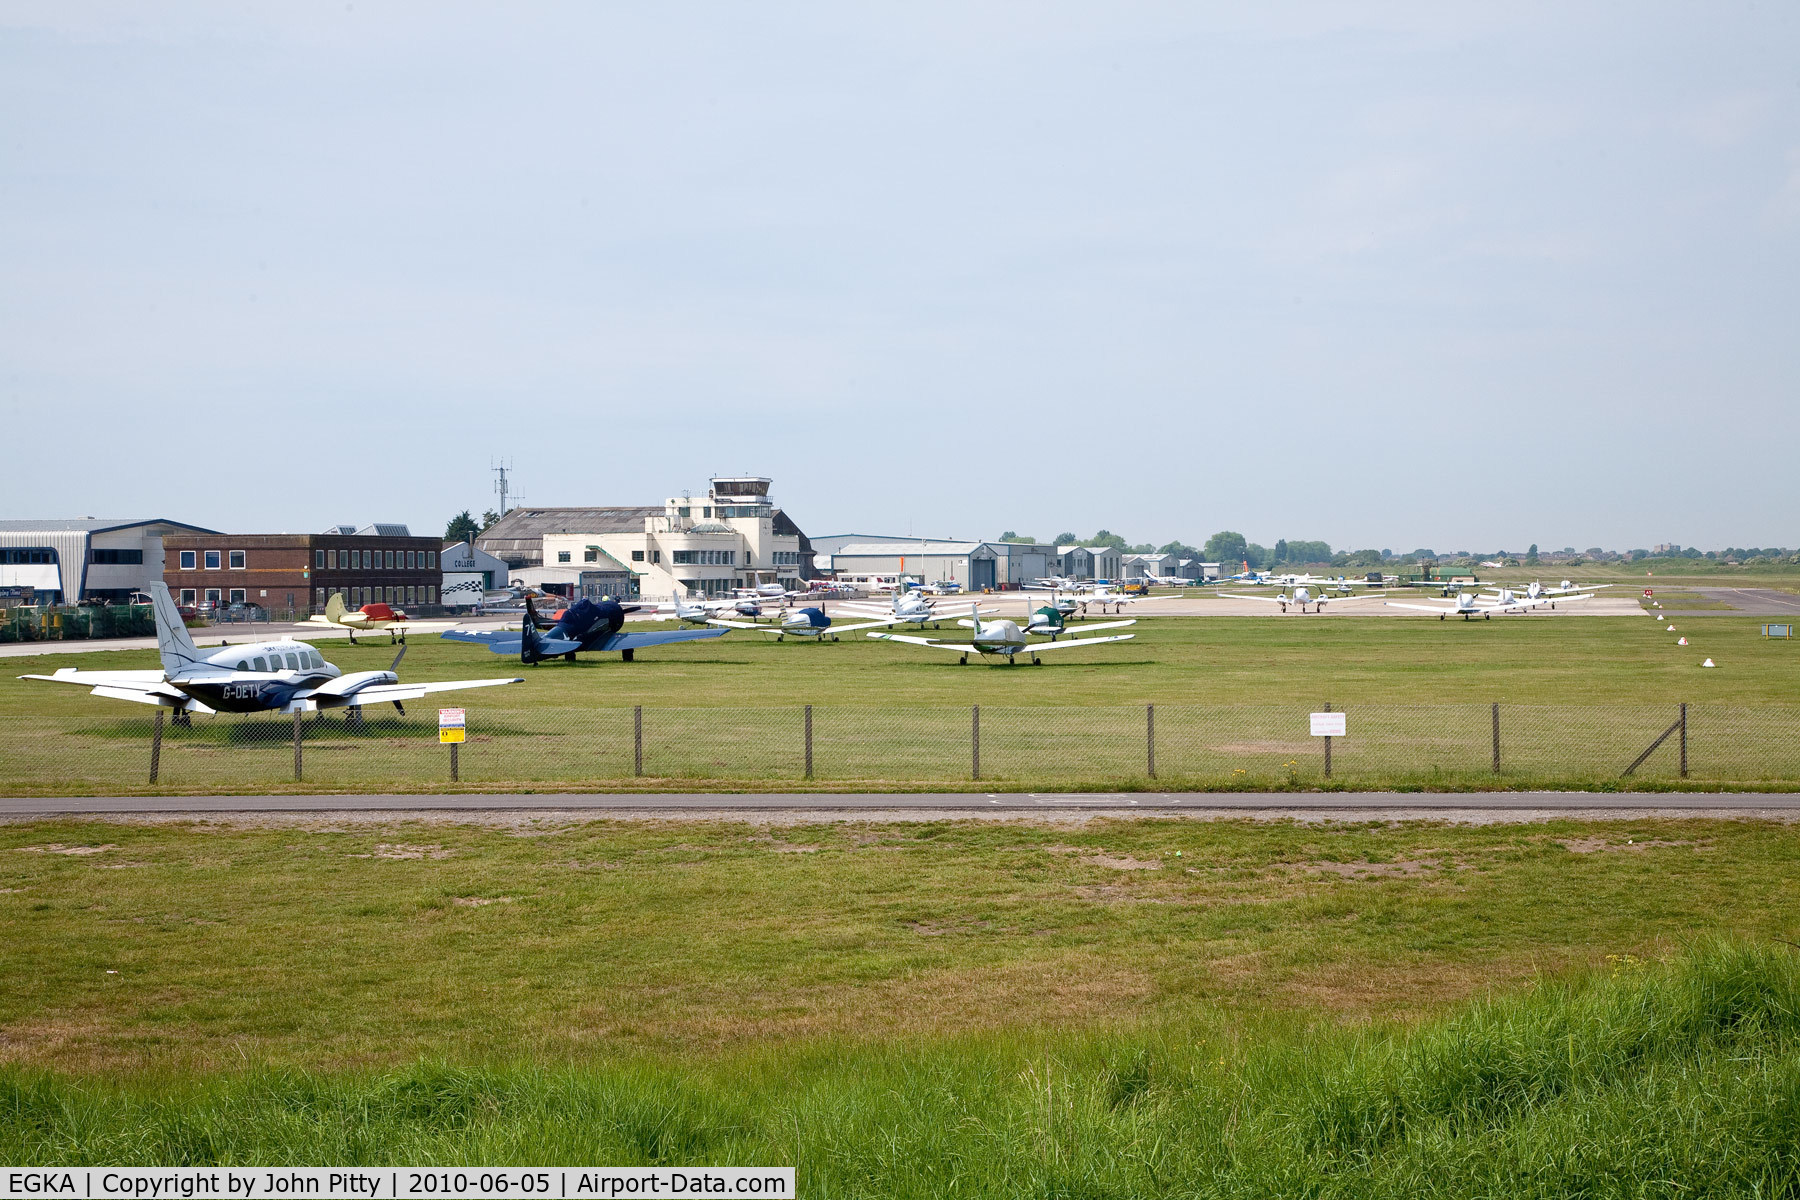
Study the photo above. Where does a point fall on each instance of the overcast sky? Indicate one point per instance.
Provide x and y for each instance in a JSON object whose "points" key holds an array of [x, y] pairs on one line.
{"points": [[1449, 275]]}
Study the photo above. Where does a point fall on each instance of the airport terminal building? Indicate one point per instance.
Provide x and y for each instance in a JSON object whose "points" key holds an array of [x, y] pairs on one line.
{"points": [[732, 537], [83, 559]]}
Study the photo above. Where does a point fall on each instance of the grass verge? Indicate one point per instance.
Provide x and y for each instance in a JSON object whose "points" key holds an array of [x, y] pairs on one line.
{"points": [[1641, 1079]]}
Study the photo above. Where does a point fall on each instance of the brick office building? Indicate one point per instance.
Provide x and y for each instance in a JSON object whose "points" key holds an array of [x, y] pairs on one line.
{"points": [[295, 572]]}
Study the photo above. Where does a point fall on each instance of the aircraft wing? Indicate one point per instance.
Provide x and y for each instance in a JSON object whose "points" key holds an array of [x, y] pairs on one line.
{"points": [[1270, 599], [659, 637], [881, 624], [139, 687], [482, 637], [1430, 608], [1084, 627], [960, 647], [765, 627], [383, 693], [1040, 647]]}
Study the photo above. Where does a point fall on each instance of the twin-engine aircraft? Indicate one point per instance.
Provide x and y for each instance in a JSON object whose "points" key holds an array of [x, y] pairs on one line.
{"points": [[277, 676], [1006, 639], [379, 617], [1301, 596], [585, 625], [911, 609]]}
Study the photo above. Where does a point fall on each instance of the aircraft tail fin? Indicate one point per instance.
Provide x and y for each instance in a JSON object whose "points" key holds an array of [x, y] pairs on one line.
{"points": [[334, 608], [531, 643], [173, 641]]}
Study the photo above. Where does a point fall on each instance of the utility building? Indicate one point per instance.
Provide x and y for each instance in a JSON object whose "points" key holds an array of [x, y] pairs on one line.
{"points": [[68, 561]]}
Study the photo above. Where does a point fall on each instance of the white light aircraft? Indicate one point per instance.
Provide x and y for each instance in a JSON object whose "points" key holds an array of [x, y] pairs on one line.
{"points": [[276, 676], [1468, 605], [805, 622], [1300, 597], [1004, 638], [906, 610]]}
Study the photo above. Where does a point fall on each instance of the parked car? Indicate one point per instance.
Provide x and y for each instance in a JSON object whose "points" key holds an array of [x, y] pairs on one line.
{"points": [[245, 612]]}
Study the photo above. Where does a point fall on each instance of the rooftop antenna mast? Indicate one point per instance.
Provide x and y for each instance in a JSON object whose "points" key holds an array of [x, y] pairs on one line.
{"points": [[500, 485]]}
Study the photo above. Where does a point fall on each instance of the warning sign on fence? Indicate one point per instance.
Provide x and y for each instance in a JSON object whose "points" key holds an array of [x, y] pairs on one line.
{"points": [[450, 725], [1327, 724]]}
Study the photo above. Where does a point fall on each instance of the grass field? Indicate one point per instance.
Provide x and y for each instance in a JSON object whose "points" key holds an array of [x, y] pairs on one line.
{"points": [[918, 1009], [1586, 694]]}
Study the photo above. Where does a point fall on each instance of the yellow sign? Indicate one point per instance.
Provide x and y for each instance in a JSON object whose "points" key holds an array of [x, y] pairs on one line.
{"points": [[450, 735]]}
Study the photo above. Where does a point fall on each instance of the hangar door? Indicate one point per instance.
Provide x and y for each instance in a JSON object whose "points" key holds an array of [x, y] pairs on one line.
{"points": [[981, 573]]}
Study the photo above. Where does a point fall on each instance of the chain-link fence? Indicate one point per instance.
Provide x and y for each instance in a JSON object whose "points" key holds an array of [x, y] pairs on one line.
{"points": [[1140, 746]]}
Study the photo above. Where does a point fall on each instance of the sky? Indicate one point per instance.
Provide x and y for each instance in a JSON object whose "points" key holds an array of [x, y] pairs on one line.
{"points": [[1387, 275]]}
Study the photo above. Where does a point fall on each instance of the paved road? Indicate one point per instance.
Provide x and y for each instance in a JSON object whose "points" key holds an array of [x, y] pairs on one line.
{"points": [[839, 803]]}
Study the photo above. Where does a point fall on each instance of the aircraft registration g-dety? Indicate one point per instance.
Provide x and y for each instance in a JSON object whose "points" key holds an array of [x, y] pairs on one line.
{"points": [[277, 676]]}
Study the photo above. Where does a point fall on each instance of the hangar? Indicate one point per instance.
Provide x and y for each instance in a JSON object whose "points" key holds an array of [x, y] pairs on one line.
{"points": [[975, 565], [86, 558]]}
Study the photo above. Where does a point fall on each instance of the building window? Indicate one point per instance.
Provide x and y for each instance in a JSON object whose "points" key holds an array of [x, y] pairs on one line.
{"points": [[656, 556], [212, 595], [412, 595], [637, 556], [236, 559], [707, 511], [431, 559], [319, 597], [590, 555], [681, 558], [187, 560], [237, 595], [684, 512], [119, 557], [430, 593], [562, 556], [187, 597], [212, 560], [318, 559]]}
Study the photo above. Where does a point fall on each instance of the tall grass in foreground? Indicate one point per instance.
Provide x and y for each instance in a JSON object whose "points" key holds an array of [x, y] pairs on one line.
{"points": [[1679, 1079]]}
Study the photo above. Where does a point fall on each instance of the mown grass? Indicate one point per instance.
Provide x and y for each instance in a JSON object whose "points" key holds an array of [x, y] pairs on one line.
{"points": [[1646, 1079], [132, 946], [725, 715]]}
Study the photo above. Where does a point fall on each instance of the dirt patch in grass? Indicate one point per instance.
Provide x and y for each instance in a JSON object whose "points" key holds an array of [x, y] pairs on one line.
{"points": [[1363, 869], [1121, 862], [1597, 845], [400, 850], [59, 848], [480, 901]]}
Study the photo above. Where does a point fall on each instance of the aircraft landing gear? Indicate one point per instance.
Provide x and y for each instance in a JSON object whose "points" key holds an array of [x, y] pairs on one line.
{"points": [[182, 718], [963, 661], [1036, 661], [624, 655], [569, 657]]}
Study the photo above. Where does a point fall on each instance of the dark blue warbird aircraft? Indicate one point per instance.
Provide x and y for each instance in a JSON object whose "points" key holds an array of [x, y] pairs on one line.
{"points": [[584, 625]]}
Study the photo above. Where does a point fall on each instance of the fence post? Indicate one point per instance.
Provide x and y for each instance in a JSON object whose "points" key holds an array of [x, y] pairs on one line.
{"points": [[156, 745], [1150, 737], [1684, 739], [297, 745], [453, 769], [637, 739], [1328, 746], [809, 741], [975, 741], [1496, 737]]}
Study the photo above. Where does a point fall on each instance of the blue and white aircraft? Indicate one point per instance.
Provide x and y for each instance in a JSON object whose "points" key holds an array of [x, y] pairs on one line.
{"points": [[808, 622], [1006, 639], [585, 625], [276, 676]]}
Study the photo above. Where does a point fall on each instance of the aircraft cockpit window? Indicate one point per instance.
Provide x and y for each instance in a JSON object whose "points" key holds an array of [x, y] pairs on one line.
{"points": [[313, 660], [243, 666], [262, 664]]}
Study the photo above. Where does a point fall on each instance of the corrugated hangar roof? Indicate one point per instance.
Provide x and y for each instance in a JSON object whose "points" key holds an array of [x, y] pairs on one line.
{"points": [[91, 525], [895, 549], [536, 522]]}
